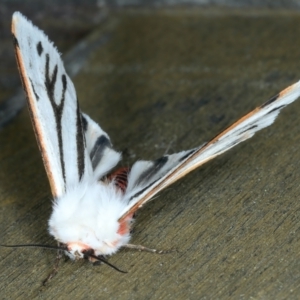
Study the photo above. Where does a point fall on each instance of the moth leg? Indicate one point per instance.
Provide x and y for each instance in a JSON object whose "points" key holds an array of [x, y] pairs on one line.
{"points": [[55, 267], [143, 248]]}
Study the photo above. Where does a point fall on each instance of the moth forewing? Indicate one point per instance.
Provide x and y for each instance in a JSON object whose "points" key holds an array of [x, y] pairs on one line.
{"points": [[53, 106], [56, 187], [238, 132]]}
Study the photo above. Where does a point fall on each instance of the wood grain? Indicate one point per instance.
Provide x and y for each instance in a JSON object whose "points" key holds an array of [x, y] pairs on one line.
{"points": [[165, 81]]}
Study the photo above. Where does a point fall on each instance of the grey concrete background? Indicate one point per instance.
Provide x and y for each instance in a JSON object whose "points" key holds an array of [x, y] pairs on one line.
{"points": [[163, 80]]}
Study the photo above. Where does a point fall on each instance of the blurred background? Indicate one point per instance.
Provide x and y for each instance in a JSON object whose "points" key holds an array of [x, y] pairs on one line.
{"points": [[69, 21]]}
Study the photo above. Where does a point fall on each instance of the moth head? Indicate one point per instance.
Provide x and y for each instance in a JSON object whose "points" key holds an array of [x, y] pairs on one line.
{"points": [[80, 251], [77, 250]]}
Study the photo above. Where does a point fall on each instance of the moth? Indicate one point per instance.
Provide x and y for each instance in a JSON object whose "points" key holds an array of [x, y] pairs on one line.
{"points": [[93, 209]]}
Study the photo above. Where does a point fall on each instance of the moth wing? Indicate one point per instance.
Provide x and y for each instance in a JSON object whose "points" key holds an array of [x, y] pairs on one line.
{"points": [[53, 107], [103, 157], [147, 178]]}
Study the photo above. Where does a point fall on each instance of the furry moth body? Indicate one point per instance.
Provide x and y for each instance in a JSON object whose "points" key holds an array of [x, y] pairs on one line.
{"points": [[92, 211]]}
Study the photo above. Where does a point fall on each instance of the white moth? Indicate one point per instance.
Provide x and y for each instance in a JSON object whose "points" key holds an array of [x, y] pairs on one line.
{"points": [[92, 211]]}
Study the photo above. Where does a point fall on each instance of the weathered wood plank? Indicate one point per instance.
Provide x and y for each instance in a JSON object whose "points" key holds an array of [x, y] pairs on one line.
{"points": [[163, 82]]}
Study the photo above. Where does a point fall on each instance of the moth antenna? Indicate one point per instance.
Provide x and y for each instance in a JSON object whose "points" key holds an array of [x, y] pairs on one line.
{"points": [[99, 258], [36, 246]]}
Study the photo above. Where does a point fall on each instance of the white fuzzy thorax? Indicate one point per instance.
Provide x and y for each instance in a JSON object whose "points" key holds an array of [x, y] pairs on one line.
{"points": [[88, 214]]}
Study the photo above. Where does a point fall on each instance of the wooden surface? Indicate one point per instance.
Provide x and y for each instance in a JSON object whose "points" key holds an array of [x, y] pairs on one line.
{"points": [[165, 81]]}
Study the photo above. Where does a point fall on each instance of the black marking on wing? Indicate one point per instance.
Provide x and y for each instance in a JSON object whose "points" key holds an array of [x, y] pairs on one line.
{"points": [[252, 127], [187, 155], [274, 98], [15, 41], [80, 141], [143, 190], [84, 123], [32, 86], [97, 152], [50, 81], [276, 108], [232, 144], [157, 165], [39, 48]]}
